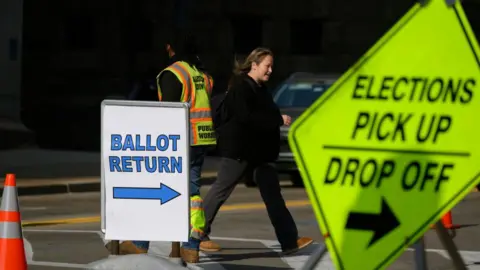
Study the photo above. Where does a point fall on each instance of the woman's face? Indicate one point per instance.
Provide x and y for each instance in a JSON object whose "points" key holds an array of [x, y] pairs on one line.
{"points": [[263, 70]]}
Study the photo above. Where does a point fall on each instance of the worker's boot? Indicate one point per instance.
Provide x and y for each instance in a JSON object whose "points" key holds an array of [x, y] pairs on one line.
{"points": [[189, 255], [302, 243], [209, 246]]}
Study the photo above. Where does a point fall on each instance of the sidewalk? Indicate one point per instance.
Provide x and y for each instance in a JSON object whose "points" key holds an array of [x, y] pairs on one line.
{"points": [[41, 172]]}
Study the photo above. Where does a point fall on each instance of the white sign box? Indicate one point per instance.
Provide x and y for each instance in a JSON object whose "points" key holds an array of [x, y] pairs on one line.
{"points": [[145, 171]]}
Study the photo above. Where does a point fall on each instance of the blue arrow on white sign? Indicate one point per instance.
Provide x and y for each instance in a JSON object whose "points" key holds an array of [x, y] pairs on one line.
{"points": [[164, 194]]}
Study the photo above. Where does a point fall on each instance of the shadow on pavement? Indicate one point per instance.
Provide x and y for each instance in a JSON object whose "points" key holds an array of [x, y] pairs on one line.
{"points": [[460, 226], [244, 248], [247, 267], [242, 256]]}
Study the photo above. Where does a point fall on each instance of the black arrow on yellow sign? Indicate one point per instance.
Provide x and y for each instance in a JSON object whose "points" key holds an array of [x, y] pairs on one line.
{"points": [[381, 224]]}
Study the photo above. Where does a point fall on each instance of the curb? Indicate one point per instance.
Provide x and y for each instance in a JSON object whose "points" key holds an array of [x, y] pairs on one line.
{"points": [[73, 186]]}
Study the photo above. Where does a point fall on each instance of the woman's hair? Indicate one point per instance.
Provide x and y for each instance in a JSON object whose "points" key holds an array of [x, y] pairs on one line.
{"points": [[256, 56]]}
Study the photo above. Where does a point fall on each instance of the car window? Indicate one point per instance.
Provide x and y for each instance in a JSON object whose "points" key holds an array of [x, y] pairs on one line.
{"points": [[299, 94]]}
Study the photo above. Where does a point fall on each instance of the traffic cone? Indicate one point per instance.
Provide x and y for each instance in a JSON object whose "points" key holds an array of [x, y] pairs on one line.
{"points": [[12, 252], [447, 222]]}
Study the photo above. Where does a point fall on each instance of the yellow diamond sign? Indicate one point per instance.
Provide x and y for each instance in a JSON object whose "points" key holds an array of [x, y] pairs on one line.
{"points": [[394, 143]]}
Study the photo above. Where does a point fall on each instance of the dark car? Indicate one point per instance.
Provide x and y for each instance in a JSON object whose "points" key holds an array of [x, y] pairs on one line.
{"points": [[293, 97]]}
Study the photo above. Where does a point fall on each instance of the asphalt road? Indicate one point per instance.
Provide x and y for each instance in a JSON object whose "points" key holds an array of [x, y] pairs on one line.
{"points": [[64, 231]]}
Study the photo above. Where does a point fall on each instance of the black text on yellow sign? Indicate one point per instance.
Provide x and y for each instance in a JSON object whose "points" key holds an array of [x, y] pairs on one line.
{"points": [[400, 127], [391, 125]]}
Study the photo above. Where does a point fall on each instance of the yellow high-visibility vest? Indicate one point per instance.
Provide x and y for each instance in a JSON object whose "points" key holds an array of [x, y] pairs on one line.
{"points": [[196, 90]]}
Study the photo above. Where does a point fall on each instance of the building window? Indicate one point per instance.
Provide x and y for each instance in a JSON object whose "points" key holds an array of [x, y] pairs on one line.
{"points": [[247, 33], [306, 36], [80, 33]]}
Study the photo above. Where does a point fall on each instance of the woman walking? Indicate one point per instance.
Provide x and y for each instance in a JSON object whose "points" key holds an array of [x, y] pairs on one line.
{"points": [[249, 139]]}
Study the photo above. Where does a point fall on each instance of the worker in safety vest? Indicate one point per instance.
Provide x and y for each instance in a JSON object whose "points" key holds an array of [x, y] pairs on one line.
{"points": [[185, 81]]}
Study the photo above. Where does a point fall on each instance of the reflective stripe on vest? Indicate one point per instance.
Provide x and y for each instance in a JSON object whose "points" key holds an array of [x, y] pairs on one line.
{"points": [[196, 91], [197, 234], [183, 76], [197, 217]]}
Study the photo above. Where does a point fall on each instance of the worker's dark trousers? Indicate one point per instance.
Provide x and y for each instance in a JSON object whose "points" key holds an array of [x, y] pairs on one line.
{"points": [[230, 173]]}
